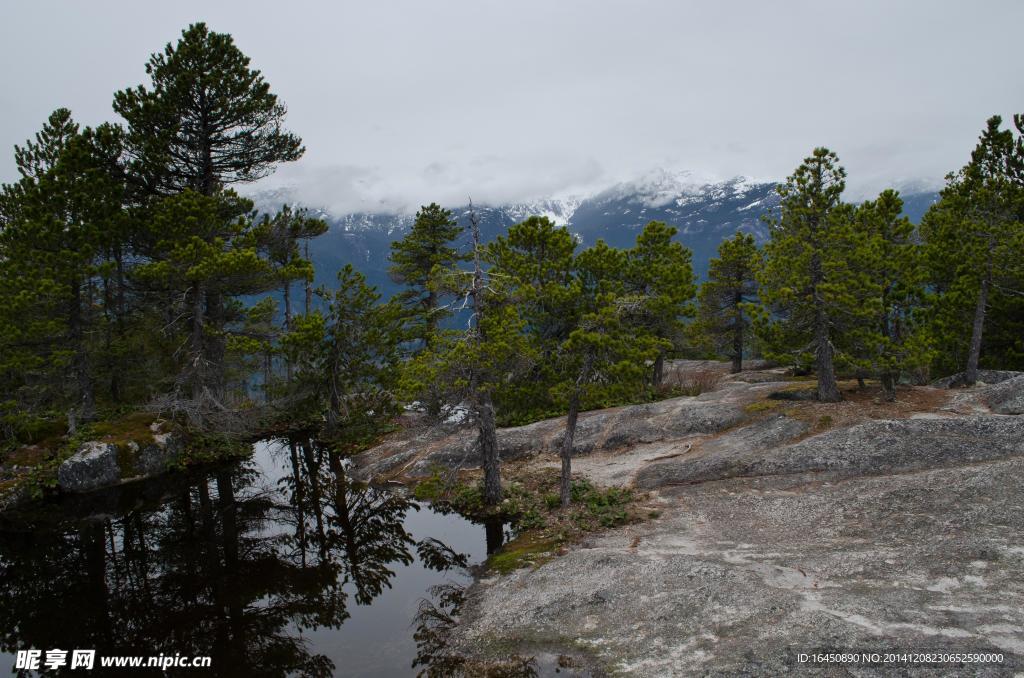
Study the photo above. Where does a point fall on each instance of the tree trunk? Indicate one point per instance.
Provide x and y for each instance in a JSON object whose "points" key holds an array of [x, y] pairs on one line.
{"points": [[888, 386], [480, 396], [198, 352], [828, 389], [974, 355], [288, 326], [216, 348], [429, 321], [287, 288], [309, 287], [489, 450], [80, 361], [737, 334], [658, 374], [565, 486], [737, 347]]}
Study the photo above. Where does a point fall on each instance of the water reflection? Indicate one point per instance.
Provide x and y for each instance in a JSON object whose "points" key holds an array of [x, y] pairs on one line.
{"points": [[248, 564]]}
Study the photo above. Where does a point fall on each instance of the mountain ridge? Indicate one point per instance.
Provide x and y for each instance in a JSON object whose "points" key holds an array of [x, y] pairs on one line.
{"points": [[704, 212]]}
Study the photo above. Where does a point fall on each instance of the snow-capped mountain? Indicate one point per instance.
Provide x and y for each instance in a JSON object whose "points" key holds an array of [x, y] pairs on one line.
{"points": [[705, 213]]}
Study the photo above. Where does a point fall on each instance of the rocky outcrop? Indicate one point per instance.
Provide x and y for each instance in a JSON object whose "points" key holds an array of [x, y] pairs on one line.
{"points": [[98, 464], [871, 448], [1006, 397], [602, 430], [771, 540], [984, 377], [741, 576], [92, 467]]}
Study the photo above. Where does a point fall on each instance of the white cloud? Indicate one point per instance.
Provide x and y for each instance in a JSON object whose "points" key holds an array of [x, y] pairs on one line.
{"points": [[404, 102]]}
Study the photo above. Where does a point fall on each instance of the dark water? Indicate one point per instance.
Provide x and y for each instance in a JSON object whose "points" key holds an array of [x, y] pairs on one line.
{"points": [[278, 565]]}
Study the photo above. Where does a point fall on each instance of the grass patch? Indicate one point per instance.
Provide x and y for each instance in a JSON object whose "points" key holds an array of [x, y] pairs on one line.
{"points": [[532, 504], [761, 406], [131, 428], [525, 550]]}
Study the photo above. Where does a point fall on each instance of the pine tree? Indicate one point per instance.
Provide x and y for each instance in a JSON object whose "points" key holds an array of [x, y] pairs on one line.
{"points": [[601, 358], [658, 277], [347, 358], [208, 120], [205, 247], [279, 237], [892, 261], [535, 261], [427, 246], [810, 282], [725, 298], [975, 241], [473, 366], [58, 221]]}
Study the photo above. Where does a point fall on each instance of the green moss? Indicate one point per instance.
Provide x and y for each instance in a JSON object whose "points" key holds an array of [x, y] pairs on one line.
{"points": [[761, 406], [131, 428], [523, 551]]}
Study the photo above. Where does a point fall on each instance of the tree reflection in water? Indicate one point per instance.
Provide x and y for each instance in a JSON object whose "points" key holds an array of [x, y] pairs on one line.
{"points": [[222, 564]]}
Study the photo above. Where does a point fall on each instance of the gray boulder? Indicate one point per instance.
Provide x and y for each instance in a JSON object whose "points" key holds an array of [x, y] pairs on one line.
{"points": [[158, 456], [984, 377], [93, 466], [1006, 397]]}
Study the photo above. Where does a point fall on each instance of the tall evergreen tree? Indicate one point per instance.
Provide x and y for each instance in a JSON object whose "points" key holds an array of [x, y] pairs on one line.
{"points": [[810, 282], [535, 261], [892, 261], [473, 366], [205, 247], [658, 277], [58, 221], [602, 357], [347, 358], [724, 299], [207, 121], [975, 241], [427, 246]]}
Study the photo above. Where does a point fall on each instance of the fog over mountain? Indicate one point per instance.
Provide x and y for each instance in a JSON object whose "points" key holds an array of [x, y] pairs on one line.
{"points": [[406, 102], [705, 213]]}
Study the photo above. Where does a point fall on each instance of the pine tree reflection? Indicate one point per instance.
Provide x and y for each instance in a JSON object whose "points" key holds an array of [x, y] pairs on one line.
{"points": [[220, 565]]}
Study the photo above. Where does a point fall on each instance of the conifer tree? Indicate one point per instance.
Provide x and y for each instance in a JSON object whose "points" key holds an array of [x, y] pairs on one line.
{"points": [[658, 277], [535, 261], [601, 358], [892, 261], [279, 237], [473, 366], [428, 245], [810, 282], [58, 221], [207, 121], [347, 358], [205, 247], [725, 298], [975, 241]]}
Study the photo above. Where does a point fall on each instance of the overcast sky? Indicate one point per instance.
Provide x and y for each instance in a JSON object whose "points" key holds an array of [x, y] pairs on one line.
{"points": [[401, 103]]}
